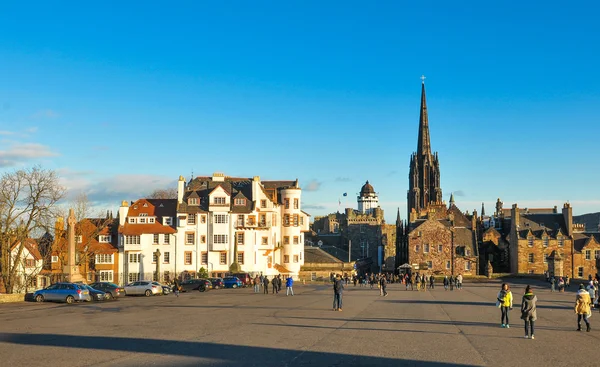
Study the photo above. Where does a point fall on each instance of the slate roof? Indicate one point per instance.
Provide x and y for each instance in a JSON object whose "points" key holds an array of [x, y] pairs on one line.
{"points": [[315, 255], [31, 245], [158, 208], [580, 240]]}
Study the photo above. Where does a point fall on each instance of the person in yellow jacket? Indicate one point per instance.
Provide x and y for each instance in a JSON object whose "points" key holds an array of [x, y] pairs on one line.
{"points": [[505, 303], [582, 307]]}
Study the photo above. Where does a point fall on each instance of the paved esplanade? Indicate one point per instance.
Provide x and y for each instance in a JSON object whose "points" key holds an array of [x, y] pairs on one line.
{"points": [[239, 328]]}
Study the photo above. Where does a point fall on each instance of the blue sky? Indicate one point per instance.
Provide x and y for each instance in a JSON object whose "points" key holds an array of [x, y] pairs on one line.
{"points": [[124, 97]]}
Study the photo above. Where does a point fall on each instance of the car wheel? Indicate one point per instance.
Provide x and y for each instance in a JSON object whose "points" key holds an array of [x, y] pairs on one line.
{"points": [[202, 289], [234, 286], [70, 300], [108, 296], [148, 293], [39, 298]]}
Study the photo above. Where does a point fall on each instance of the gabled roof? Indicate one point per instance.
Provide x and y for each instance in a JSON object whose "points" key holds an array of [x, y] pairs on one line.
{"points": [[31, 245], [136, 229], [582, 240]]}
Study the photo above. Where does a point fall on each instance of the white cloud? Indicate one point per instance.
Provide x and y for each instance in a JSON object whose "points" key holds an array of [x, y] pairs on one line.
{"points": [[47, 113], [22, 152], [313, 185], [5, 133]]}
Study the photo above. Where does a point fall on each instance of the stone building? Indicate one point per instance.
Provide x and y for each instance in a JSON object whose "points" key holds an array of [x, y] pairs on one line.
{"points": [[439, 239], [363, 233]]}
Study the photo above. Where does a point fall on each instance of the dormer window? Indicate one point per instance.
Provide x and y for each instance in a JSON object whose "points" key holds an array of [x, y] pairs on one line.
{"points": [[530, 241], [104, 239], [561, 241], [150, 220], [131, 220], [219, 200], [79, 239], [240, 202], [167, 221], [143, 214], [545, 241], [193, 201], [145, 205], [142, 220]]}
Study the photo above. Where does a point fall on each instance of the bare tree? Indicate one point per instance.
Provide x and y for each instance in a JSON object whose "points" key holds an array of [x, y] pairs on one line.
{"points": [[170, 193], [27, 200]]}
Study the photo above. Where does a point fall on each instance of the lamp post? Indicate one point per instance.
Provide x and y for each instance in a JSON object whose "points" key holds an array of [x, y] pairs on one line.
{"points": [[157, 255]]}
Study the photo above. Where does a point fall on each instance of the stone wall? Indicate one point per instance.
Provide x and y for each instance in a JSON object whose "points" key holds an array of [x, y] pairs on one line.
{"points": [[538, 266], [6, 298]]}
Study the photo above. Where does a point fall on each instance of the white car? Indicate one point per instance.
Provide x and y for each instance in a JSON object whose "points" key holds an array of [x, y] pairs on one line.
{"points": [[143, 287]]}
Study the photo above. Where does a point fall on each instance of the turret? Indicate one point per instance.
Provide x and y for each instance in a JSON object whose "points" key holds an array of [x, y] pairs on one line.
{"points": [[180, 189], [123, 210]]}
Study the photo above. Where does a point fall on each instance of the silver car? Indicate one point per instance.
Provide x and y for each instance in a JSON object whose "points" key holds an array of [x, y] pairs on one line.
{"points": [[63, 292], [143, 287]]}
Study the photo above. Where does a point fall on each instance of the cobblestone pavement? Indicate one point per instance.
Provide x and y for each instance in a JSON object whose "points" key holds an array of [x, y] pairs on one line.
{"points": [[240, 328]]}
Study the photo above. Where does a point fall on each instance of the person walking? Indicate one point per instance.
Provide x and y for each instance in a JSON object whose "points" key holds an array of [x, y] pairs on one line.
{"points": [[176, 287], [431, 281], [459, 279], [446, 283], [418, 281], [552, 284], [592, 291], [265, 285], [289, 282], [529, 311], [582, 308], [275, 284], [383, 287], [451, 282], [338, 289], [256, 284], [505, 303]]}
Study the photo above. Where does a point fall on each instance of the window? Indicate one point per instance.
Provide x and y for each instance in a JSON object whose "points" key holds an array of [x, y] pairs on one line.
{"points": [[263, 203], [286, 259], [104, 259], [274, 219], [265, 241], [240, 220], [286, 203], [193, 201], [301, 220], [440, 248], [223, 258], [29, 263], [105, 239], [150, 220], [79, 239], [468, 266], [155, 239], [135, 258], [286, 219], [531, 258], [546, 258], [286, 240], [131, 220], [220, 218], [561, 241], [219, 200], [295, 220], [54, 259], [580, 272], [300, 255], [203, 219], [296, 240], [132, 240], [240, 238], [191, 218], [429, 265], [295, 258], [545, 241], [251, 220], [187, 258], [417, 248], [240, 258], [189, 238], [142, 220], [133, 277], [166, 239], [447, 264], [204, 258], [106, 275], [239, 202], [530, 241], [154, 258], [426, 248], [588, 254], [167, 221], [296, 204], [220, 238], [203, 239], [166, 258], [467, 252], [262, 220]]}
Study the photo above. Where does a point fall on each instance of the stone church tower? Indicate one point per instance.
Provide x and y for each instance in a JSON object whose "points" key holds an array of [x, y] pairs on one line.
{"points": [[424, 175]]}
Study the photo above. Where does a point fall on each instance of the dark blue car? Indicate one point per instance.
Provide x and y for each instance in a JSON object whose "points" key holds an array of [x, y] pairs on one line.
{"points": [[232, 282]]}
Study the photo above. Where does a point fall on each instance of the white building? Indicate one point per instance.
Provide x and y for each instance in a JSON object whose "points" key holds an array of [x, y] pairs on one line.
{"points": [[262, 220], [29, 264], [146, 226], [368, 199], [211, 219]]}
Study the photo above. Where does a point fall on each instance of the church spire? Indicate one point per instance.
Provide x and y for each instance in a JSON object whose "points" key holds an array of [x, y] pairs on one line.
{"points": [[451, 199], [424, 144], [482, 209], [398, 220]]}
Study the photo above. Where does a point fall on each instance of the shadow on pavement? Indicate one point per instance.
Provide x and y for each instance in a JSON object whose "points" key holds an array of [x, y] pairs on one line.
{"points": [[469, 303], [219, 354]]}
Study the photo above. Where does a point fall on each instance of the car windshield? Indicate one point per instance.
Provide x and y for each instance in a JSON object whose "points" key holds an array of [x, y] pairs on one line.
{"points": [[112, 285]]}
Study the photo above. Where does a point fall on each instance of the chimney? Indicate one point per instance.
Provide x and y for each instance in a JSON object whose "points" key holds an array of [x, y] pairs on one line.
{"points": [[180, 188], [474, 220], [515, 216], [59, 227], [123, 210], [567, 212]]}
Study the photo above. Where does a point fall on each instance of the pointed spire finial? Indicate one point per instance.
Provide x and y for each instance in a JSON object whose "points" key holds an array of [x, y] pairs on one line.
{"points": [[424, 144], [482, 209], [423, 79]]}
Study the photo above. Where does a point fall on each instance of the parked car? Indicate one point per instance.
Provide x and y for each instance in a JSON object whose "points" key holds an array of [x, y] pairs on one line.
{"points": [[217, 283], [95, 294], [232, 282], [142, 287], [165, 288], [244, 277], [201, 285], [63, 292], [112, 290]]}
